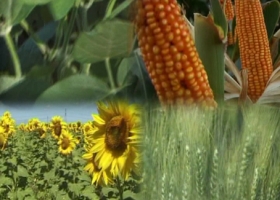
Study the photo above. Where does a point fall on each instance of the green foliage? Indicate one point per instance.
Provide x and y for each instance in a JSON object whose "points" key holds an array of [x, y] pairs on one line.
{"points": [[64, 46], [108, 40], [210, 46], [194, 154], [32, 168]]}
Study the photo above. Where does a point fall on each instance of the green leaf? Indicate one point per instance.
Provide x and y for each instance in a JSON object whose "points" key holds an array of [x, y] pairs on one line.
{"points": [[21, 12], [21, 194], [26, 91], [49, 175], [7, 82], [12, 160], [120, 8], [5, 181], [21, 171], [29, 53], [40, 71], [14, 11], [211, 51], [130, 195], [75, 188], [219, 18], [43, 163], [60, 8], [85, 177], [271, 16], [36, 2], [62, 195], [108, 40], [75, 88], [54, 189], [89, 192], [124, 70], [109, 191]]}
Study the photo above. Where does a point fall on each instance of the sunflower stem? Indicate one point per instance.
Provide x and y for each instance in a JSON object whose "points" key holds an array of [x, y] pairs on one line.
{"points": [[110, 75], [13, 52], [120, 188]]}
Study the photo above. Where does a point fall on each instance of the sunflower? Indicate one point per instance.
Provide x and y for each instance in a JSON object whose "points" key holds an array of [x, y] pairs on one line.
{"points": [[22, 127], [33, 124], [57, 126], [88, 130], [3, 138], [42, 130], [66, 142], [8, 124], [99, 177], [7, 114], [116, 138]]}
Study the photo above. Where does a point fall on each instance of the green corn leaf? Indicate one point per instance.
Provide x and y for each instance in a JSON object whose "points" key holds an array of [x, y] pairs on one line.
{"points": [[219, 18], [211, 51]]}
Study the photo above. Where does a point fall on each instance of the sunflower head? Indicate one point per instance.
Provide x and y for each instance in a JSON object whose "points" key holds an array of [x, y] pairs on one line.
{"points": [[67, 143], [7, 114], [34, 124], [115, 137], [3, 138], [57, 126], [8, 124], [42, 130], [117, 132]]}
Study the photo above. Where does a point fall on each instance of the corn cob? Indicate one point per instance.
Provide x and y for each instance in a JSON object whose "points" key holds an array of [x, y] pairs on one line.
{"points": [[254, 45], [170, 55], [229, 10], [229, 13]]}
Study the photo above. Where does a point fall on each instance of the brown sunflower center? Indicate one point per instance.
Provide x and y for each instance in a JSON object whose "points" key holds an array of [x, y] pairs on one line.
{"points": [[116, 133], [65, 143], [57, 129], [41, 131]]}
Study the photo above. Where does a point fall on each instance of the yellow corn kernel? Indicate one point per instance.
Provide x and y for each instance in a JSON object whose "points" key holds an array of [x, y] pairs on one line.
{"points": [[184, 77], [253, 45]]}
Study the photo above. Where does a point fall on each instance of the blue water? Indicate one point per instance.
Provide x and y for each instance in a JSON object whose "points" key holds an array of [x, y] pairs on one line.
{"points": [[70, 113]]}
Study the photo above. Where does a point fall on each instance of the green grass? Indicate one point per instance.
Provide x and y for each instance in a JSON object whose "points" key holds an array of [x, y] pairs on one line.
{"points": [[223, 154]]}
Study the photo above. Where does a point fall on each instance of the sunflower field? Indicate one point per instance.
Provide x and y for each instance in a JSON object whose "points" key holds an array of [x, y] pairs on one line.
{"points": [[54, 160]]}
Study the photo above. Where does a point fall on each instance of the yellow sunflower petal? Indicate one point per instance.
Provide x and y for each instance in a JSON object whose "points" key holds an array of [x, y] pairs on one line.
{"points": [[98, 119], [106, 160]]}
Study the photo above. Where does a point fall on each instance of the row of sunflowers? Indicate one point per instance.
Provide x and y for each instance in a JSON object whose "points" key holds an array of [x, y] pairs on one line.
{"points": [[109, 144]]}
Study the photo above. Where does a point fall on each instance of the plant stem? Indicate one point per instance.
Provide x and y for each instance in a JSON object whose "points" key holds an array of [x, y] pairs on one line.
{"points": [[69, 29], [14, 55], [109, 8], [41, 45], [84, 18], [120, 188], [86, 68], [58, 38], [109, 71]]}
